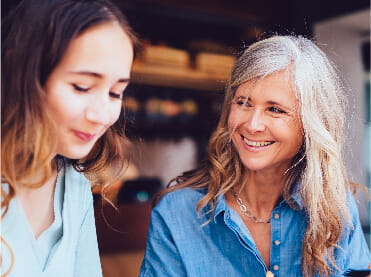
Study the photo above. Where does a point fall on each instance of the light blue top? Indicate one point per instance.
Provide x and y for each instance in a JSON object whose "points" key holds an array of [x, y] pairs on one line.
{"points": [[68, 247], [178, 244]]}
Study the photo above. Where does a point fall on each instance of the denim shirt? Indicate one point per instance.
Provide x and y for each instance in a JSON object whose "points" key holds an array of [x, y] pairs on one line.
{"points": [[181, 242]]}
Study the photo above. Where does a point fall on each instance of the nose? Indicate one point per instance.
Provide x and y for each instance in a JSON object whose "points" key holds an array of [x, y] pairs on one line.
{"points": [[255, 121], [98, 111]]}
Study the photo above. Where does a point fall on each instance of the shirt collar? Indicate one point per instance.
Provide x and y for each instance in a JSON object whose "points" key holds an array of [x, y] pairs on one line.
{"points": [[296, 197], [220, 207]]}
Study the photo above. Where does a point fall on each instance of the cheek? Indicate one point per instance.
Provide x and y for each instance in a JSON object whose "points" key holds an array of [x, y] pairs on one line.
{"points": [[233, 124], [295, 134], [234, 120], [62, 110], [287, 131], [115, 113], [296, 128], [288, 125], [62, 104]]}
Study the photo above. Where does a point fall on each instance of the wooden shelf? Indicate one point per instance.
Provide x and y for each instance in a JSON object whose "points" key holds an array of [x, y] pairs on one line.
{"points": [[168, 76]]}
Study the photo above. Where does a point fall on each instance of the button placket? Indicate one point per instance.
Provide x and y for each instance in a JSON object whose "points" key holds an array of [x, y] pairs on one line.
{"points": [[276, 241], [246, 242]]}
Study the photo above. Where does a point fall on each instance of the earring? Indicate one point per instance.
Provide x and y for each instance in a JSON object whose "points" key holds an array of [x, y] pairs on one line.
{"points": [[294, 165]]}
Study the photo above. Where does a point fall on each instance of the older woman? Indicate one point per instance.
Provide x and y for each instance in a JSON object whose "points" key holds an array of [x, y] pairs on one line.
{"points": [[273, 195]]}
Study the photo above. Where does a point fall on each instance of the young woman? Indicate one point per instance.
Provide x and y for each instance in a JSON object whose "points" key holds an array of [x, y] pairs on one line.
{"points": [[273, 196], [65, 66]]}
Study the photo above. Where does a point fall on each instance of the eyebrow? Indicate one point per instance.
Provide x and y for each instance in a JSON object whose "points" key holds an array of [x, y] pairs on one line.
{"points": [[97, 75], [279, 104], [241, 97]]}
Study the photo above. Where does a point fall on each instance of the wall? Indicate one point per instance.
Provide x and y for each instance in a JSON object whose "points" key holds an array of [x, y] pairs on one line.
{"points": [[166, 159], [341, 39]]}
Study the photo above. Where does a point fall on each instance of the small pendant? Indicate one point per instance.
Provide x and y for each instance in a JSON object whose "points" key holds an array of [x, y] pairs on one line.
{"points": [[269, 274]]}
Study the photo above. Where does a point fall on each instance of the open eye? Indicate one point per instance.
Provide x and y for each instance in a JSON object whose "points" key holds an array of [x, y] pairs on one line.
{"points": [[80, 88], [276, 110], [241, 102]]}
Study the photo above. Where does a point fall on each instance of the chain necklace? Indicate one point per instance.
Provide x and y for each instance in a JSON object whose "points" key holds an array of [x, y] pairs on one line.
{"points": [[246, 212]]}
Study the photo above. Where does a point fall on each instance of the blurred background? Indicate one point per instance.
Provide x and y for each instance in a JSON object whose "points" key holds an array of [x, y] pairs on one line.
{"points": [[174, 101]]}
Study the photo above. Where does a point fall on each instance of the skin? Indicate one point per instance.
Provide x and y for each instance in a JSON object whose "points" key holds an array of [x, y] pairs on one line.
{"points": [[84, 98], [267, 133]]}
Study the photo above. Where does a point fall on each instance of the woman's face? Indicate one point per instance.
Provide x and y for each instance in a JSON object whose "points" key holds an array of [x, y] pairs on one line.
{"points": [[84, 92], [266, 127]]}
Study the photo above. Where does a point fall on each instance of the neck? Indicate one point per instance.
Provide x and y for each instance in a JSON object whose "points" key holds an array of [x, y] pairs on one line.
{"points": [[40, 178], [38, 204], [47, 185], [262, 192]]}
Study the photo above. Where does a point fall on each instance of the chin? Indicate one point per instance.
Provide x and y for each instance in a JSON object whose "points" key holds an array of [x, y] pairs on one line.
{"points": [[75, 155], [254, 165]]}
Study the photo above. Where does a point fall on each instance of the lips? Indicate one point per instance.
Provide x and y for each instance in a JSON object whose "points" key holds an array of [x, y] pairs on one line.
{"points": [[84, 136], [257, 144]]}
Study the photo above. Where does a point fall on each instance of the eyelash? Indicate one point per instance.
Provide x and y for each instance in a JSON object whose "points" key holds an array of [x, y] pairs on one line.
{"points": [[276, 110], [78, 88], [271, 109], [115, 95], [112, 94], [242, 103]]}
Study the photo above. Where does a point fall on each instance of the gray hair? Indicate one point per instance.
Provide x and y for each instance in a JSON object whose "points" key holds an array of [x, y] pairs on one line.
{"points": [[321, 95]]}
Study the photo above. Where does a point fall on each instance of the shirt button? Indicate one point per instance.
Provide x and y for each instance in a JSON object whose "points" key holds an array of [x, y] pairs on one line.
{"points": [[277, 242], [276, 216], [276, 267]]}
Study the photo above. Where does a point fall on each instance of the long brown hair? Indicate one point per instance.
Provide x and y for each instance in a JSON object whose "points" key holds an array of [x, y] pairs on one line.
{"points": [[318, 165]]}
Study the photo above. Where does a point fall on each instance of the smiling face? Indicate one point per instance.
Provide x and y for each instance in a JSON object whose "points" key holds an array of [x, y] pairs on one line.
{"points": [[84, 92], [265, 124]]}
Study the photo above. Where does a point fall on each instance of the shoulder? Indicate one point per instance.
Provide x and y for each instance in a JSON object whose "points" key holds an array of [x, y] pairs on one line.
{"points": [[352, 206], [76, 179], [354, 252], [181, 202], [176, 215], [180, 198], [77, 187], [351, 226]]}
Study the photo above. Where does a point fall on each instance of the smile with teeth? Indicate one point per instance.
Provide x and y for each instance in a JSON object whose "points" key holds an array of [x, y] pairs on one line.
{"points": [[257, 143]]}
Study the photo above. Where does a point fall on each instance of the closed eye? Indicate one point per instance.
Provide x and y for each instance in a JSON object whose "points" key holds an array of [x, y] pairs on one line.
{"points": [[115, 95], [79, 88]]}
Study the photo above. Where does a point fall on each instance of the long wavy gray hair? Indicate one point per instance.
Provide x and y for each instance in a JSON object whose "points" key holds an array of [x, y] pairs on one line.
{"points": [[323, 179], [318, 165]]}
